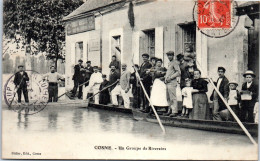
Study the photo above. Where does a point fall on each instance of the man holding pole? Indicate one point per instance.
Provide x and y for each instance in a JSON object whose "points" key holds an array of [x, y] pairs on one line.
{"points": [[146, 78], [172, 73], [222, 86], [53, 77], [20, 79], [76, 78], [94, 85]]}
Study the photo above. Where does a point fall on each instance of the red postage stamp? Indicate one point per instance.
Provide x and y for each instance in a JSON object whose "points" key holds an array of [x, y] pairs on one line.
{"points": [[214, 14]]}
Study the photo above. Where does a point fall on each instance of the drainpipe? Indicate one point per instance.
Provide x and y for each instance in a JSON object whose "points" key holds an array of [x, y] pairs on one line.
{"points": [[101, 31]]}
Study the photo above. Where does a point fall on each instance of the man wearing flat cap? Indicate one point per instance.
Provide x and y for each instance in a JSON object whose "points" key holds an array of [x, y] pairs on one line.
{"points": [[222, 86], [77, 77], [172, 73], [249, 88], [20, 79], [89, 70], [183, 67], [146, 78]]}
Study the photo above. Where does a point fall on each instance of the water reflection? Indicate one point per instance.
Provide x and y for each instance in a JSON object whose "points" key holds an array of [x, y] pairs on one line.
{"points": [[52, 119], [93, 121], [77, 119], [21, 123]]}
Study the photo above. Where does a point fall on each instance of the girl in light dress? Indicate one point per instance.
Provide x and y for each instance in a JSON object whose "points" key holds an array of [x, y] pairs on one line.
{"points": [[187, 98]]}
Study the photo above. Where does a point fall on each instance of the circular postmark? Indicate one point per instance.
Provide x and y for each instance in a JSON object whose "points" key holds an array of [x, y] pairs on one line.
{"points": [[35, 89], [215, 18]]}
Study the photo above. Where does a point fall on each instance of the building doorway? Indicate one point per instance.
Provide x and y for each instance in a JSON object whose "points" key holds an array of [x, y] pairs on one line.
{"points": [[116, 49]]}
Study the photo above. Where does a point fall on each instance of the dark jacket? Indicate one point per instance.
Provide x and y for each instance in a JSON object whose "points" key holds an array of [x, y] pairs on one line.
{"points": [[77, 72], [19, 80], [89, 71], [200, 84], [113, 77], [254, 89], [114, 63], [224, 90], [146, 78], [104, 97]]}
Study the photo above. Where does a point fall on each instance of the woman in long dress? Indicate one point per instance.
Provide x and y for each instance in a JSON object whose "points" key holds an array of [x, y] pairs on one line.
{"points": [[159, 93], [200, 109]]}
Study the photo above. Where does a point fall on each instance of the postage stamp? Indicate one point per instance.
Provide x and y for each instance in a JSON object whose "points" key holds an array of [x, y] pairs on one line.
{"points": [[215, 18], [36, 91]]}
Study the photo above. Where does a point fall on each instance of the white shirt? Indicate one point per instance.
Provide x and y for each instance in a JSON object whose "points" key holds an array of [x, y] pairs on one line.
{"points": [[248, 84], [53, 77], [219, 82], [95, 78]]}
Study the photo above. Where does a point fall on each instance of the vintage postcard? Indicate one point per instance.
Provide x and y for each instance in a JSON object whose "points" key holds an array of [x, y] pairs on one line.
{"points": [[130, 79]]}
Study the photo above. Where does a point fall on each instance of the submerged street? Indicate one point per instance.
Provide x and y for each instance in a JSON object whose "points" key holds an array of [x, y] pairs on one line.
{"points": [[92, 133]]}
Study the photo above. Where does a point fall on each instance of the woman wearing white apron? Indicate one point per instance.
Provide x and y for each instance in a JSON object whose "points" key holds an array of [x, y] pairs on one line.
{"points": [[159, 93]]}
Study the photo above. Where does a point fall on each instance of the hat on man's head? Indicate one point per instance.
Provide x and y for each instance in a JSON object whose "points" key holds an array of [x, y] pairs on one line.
{"points": [[154, 58], [20, 66], [124, 64], [233, 82], [170, 53], [114, 56], [80, 60], [104, 76], [145, 55], [222, 68], [179, 57], [249, 72], [88, 61], [95, 67]]}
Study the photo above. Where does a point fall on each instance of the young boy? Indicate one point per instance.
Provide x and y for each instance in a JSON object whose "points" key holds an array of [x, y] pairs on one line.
{"points": [[233, 99], [104, 97], [249, 95]]}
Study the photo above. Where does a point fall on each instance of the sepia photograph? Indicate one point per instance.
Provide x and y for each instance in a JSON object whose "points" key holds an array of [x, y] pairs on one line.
{"points": [[130, 79]]}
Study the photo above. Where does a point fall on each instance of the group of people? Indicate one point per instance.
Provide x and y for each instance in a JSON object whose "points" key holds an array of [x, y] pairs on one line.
{"points": [[160, 85]]}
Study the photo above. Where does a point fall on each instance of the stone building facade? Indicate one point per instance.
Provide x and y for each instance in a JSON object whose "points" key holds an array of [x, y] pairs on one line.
{"points": [[100, 28]]}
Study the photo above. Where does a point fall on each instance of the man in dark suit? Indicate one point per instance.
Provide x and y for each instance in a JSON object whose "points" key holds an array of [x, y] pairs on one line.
{"points": [[222, 86], [89, 70], [247, 105], [20, 79], [183, 66], [77, 77], [146, 79], [113, 77]]}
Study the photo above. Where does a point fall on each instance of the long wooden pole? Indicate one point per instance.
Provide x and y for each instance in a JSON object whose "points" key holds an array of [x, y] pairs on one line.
{"points": [[139, 79], [231, 111]]}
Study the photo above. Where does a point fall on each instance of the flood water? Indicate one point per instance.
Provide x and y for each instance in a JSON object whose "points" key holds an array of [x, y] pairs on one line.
{"points": [[78, 133]]}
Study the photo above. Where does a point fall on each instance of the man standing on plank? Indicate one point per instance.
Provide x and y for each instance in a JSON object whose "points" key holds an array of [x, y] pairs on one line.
{"points": [[20, 79], [172, 73], [222, 86], [53, 77], [76, 78], [146, 79], [94, 85]]}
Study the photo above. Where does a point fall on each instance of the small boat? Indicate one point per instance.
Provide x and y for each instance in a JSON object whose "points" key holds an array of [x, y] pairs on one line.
{"points": [[208, 125], [111, 108]]}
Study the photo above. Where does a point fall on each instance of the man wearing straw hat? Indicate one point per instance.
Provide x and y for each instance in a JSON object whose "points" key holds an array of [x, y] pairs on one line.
{"points": [[249, 96]]}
